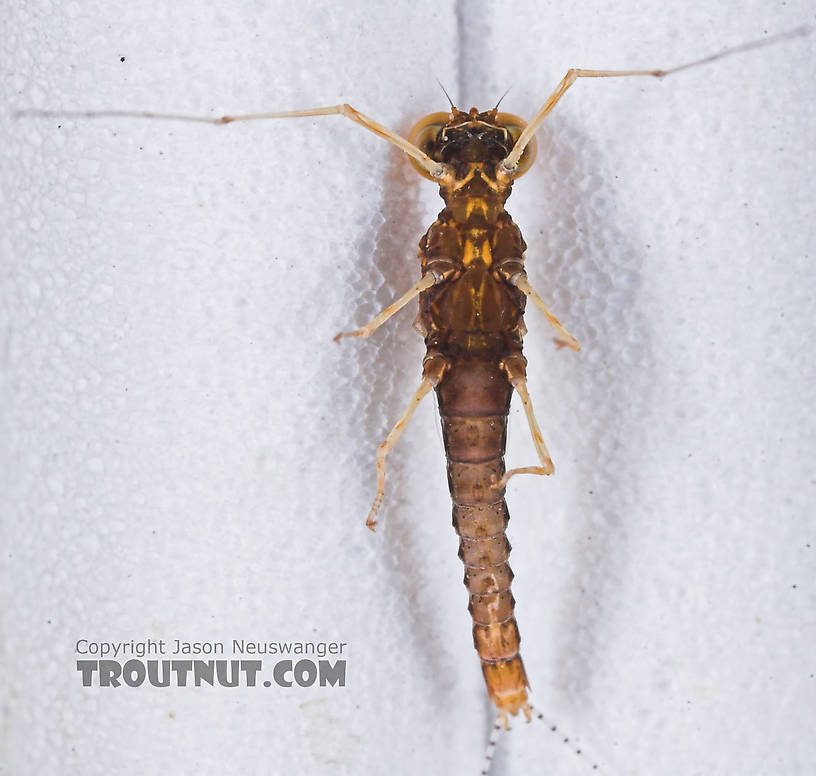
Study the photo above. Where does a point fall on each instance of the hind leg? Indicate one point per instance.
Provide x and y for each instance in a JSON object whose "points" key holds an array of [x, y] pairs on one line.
{"points": [[516, 373], [388, 445]]}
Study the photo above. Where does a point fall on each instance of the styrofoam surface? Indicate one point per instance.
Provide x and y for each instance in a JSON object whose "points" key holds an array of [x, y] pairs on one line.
{"points": [[187, 454]]}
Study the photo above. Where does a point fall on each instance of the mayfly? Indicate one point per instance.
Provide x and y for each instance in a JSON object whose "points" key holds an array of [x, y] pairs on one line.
{"points": [[472, 296]]}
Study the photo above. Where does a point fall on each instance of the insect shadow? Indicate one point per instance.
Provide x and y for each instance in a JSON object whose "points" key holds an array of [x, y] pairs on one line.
{"points": [[598, 270], [391, 363]]}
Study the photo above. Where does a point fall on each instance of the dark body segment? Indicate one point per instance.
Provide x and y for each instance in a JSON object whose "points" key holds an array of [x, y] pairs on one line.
{"points": [[472, 321]]}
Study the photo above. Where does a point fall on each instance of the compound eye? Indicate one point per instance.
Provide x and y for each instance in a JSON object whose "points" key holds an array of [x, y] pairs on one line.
{"points": [[424, 135], [515, 126]]}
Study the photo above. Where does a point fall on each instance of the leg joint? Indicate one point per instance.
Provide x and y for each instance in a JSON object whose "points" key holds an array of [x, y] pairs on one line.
{"points": [[433, 367], [515, 366]]}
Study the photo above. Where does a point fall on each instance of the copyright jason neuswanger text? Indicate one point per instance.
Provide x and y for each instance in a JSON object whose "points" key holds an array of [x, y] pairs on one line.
{"points": [[179, 663]]}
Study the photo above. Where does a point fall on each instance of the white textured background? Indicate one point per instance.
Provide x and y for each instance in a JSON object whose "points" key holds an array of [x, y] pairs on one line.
{"points": [[185, 452]]}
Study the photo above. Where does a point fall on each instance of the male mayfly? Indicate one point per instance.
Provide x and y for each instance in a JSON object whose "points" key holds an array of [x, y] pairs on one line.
{"points": [[472, 295]]}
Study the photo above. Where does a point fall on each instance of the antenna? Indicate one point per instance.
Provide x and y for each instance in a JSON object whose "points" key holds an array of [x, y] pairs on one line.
{"points": [[502, 97], [453, 107]]}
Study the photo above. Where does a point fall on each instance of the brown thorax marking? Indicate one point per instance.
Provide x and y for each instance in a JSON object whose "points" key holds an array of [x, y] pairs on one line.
{"points": [[474, 205], [476, 248], [486, 176]]}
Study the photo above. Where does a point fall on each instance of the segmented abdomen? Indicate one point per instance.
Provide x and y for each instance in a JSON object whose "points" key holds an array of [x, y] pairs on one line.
{"points": [[474, 399]]}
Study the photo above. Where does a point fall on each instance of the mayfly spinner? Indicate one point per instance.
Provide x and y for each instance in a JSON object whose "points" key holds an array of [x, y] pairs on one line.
{"points": [[472, 295]]}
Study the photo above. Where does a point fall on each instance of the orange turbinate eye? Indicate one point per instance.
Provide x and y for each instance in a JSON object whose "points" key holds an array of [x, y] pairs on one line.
{"points": [[424, 135], [514, 125]]}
